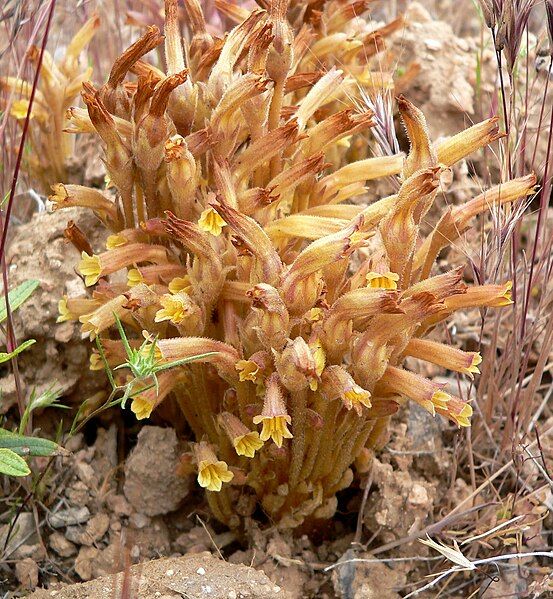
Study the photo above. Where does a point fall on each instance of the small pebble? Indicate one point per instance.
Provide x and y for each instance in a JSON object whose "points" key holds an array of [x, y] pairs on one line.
{"points": [[69, 517], [200, 571]]}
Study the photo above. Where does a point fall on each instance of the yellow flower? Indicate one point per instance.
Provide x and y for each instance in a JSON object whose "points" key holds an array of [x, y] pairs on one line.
{"points": [[345, 142], [180, 284], [457, 410], [338, 383], [315, 314], [274, 416], [248, 444], [134, 277], [142, 407], [439, 400], [377, 280], [247, 370], [505, 298], [244, 441], [19, 109], [115, 241], [175, 308], [476, 360], [319, 357], [96, 362], [64, 312], [274, 427], [211, 222], [90, 267], [146, 350], [357, 397], [212, 474]]}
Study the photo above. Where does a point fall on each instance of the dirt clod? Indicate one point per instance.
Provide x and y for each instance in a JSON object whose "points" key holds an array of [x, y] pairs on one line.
{"points": [[151, 484], [26, 571], [61, 545], [83, 563]]}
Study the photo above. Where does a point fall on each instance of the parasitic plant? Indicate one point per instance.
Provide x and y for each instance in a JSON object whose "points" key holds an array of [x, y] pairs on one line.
{"points": [[51, 144], [232, 226]]}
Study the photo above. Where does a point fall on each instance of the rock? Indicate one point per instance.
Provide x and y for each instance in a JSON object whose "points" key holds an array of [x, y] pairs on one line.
{"points": [[358, 580], [193, 576], [36, 551], [61, 545], [105, 453], [39, 251], [151, 484], [69, 517], [24, 531], [95, 529], [444, 87], [402, 504], [139, 521], [78, 494], [151, 541], [26, 571], [86, 473], [119, 505], [83, 562]]}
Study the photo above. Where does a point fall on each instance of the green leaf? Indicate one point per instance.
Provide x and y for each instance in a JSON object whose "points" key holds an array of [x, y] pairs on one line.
{"points": [[4, 357], [12, 465], [17, 296], [28, 446]]}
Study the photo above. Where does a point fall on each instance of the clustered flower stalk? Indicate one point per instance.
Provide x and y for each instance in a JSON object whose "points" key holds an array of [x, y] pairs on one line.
{"points": [[233, 172], [52, 144]]}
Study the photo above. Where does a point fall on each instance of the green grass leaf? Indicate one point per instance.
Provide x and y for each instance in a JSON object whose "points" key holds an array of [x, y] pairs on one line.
{"points": [[12, 464], [28, 446], [4, 357], [17, 296]]}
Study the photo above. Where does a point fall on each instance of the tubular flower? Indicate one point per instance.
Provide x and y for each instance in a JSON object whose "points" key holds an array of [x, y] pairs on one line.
{"points": [[176, 308], [180, 284], [95, 266], [134, 277], [90, 268], [338, 383], [244, 441], [426, 393], [212, 473], [247, 370], [386, 280], [211, 222], [274, 417], [64, 312], [444, 355], [144, 402]]}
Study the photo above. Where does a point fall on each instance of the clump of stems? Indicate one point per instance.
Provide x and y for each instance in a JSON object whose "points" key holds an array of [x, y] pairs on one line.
{"points": [[233, 172]]}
